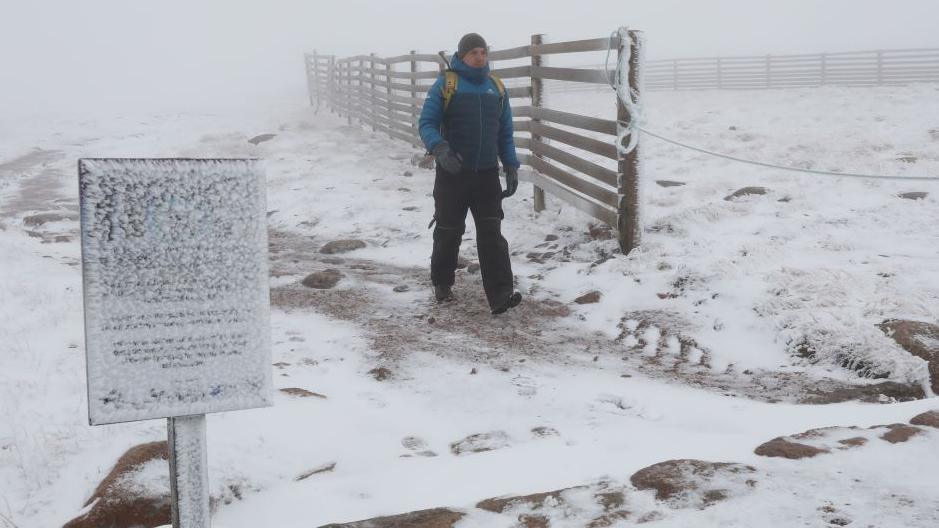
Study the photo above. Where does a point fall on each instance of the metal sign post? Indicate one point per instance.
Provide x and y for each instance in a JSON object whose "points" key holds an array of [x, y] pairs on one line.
{"points": [[177, 303]]}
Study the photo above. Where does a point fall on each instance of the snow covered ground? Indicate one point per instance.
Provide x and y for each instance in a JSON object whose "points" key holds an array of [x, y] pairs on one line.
{"points": [[568, 394]]}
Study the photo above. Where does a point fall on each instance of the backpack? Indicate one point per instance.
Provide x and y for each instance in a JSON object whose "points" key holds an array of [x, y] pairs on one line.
{"points": [[451, 80]]}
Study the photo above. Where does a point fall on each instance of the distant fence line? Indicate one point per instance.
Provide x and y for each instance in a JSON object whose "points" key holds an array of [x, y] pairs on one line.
{"points": [[387, 94]]}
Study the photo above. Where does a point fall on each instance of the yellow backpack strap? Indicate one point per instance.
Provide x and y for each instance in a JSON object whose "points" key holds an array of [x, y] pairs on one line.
{"points": [[449, 87], [499, 86]]}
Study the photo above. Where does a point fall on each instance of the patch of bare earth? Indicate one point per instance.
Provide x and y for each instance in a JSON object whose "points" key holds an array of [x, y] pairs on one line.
{"points": [[395, 305]]}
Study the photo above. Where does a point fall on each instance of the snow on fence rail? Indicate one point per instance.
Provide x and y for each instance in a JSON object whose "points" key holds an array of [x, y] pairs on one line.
{"points": [[387, 94]]}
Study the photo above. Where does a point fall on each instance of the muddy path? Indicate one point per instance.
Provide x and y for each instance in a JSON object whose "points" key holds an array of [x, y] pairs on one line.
{"points": [[394, 306]]}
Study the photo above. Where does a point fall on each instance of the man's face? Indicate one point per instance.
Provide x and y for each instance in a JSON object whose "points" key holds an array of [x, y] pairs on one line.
{"points": [[476, 57]]}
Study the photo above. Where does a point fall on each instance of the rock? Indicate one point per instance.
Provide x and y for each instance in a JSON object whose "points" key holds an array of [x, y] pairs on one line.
{"points": [[874, 393], [478, 443], [609, 519], [341, 246], [403, 189], [600, 232], [37, 220], [534, 501], [461, 262], [856, 441], [380, 373], [900, 433], [325, 468], [669, 183], [473, 268], [695, 483], [409, 208], [918, 338], [928, 418], [544, 431], [302, 393], [913, 195], [261, 138], [589, 298], [907, 158], [401, 288], [322, 280], [534, 521], [408, 174], [731, 127], [434, 518], [746, 191], [550, 238], [780, 447], [119, 501]]}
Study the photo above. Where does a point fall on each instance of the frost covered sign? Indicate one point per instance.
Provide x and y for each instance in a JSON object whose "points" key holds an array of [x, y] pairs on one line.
{"points": [[174, 263]]}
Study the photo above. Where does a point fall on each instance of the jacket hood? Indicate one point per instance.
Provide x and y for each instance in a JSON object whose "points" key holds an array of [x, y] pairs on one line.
{"points": [[476, 75]]}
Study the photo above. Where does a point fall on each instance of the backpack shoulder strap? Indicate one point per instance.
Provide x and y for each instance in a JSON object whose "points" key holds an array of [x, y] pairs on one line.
{"points": [[499, 86], [449, 87]]}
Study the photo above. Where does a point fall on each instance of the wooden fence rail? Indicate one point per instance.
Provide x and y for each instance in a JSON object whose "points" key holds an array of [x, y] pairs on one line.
{"points": [[855, 68], [386, 94]]}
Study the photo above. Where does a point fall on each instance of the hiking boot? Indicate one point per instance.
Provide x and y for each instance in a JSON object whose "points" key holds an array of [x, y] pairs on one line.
{"points": [[443, 293], [511, 301]]}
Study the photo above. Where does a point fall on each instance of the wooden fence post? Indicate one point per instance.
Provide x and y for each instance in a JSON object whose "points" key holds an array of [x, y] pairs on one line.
{"points": [[824, 69], [347, 70], [414, 108], [628, 178], [360, 96], [372, 100], [720, 75], [880, 68], [769, 72], [675, 74], [537, 87], [388, 70], [332, 84], [310, 83]]}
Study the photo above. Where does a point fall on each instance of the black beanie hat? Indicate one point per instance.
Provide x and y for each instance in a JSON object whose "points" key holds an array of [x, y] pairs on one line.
{"points": [[468, 42]]}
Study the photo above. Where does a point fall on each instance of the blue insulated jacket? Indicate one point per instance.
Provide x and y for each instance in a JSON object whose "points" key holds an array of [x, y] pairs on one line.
{"points": [[475, 124]]}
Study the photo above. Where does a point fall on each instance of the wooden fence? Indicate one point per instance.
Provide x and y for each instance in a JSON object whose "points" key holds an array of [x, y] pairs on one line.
{"points": [[387, 94], [856, 68]]}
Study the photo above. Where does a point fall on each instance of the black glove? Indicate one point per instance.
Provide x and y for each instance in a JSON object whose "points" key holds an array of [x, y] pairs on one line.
{"points": [[511, 182], [447, 158]]}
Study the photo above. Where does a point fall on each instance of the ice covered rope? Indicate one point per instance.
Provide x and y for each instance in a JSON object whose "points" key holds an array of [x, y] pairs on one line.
{"points": [[625, 93]]}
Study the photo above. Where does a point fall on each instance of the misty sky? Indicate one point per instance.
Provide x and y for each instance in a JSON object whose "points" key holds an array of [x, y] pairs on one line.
{"points": [[172, 54]]}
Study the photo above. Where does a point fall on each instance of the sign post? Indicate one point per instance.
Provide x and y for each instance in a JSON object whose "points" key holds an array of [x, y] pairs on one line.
{"points": [[177, 303]]}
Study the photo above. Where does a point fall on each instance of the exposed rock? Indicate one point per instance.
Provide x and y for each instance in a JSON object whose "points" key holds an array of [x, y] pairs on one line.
{"points": [[408, 174], [856, 441], [746, 191], [322, 280], [461, 262], [435, 518], [380, 373], [908, 158], [928, 418], [609, 519], [534, 501], [918, 338], [544, 431], [409, 208], [695, 483], [875, 393], [118, 502], [913, 195], [478, 443], [900, 433], [669, 183], [37, 220], [261, 138], [325, 468], [473, 268], [401, 288], [600, 232], [592, 297], [302, 393], [550, 238], [341, 246], [780, 447]]}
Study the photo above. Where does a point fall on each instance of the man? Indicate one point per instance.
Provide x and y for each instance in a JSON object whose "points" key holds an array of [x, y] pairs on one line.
{"points": [[476, 133]]}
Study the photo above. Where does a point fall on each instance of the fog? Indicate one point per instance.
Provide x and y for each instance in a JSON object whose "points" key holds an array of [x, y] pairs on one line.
{"points": [[68, 56]]}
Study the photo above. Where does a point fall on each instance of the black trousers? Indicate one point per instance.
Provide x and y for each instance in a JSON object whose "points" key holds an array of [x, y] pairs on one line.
{"points": [[481, 193]]}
